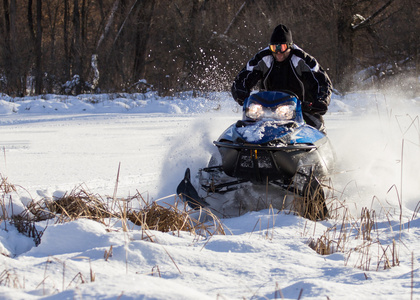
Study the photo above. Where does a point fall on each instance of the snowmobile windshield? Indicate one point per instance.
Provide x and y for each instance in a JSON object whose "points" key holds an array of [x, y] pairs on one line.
{"points": [[283, 109]]}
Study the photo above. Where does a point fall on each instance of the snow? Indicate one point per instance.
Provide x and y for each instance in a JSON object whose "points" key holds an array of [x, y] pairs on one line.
{"points": [[253, 133], [53, 144]]}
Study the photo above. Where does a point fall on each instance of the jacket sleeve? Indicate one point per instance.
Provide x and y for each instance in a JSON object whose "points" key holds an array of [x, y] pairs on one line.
{"points": [[249, 76], [318, 86]]}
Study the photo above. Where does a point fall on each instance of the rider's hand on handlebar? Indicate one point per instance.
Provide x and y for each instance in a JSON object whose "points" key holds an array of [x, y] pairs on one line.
{"points": [[319, 107]]}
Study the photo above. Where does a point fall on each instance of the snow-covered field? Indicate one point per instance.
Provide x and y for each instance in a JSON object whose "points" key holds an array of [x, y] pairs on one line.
{"points": [[54, 144]]}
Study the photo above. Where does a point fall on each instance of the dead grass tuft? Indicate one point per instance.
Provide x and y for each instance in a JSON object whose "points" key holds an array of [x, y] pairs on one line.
{"points": [[6, 189], [5, 186], [367, 223], [323, 245], [312, 204], [78, 204], [359, 239], [27, 227], [165, 219], [10, 279]]}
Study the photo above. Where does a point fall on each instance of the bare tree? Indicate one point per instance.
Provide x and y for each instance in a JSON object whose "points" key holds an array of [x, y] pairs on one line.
{"points": [[143, 29], [38, 48], [11, 60], [66, 59], [77, 47]]}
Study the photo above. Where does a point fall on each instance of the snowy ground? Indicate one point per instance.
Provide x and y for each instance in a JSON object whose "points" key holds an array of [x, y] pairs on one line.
{"points": [[55, 144]]}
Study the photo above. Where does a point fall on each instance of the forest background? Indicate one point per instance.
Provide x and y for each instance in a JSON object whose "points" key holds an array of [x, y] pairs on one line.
{"points": [[93, 46]]}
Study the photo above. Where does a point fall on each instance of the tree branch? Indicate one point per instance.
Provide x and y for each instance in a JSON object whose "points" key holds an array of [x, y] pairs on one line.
{"points": [[234, 18], [371, 17], [108, 23]]}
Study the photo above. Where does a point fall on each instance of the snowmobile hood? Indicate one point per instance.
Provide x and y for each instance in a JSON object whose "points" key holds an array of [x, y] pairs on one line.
{"points": [[270, 133]]}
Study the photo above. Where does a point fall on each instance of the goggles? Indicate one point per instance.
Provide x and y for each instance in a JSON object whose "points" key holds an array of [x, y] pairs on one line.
{"points": [[279, 48]]}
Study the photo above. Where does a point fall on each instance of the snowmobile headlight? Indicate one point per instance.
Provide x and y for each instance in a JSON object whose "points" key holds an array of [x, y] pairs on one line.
{"points": [[255, 111], [285, 112]]}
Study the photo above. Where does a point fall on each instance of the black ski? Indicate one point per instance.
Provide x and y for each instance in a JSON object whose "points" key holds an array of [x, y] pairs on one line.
{"points": [[189, 194]]}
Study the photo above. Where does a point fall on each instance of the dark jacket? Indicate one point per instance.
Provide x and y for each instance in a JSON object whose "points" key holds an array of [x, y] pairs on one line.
{"points": [[303, 76]]}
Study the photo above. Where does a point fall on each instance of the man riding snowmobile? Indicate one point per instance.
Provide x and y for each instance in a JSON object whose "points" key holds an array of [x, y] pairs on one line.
{"points": [[284, 66], [279, 148]]}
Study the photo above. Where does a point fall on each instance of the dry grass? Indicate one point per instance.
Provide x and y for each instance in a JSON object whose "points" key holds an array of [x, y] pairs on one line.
{"points": [[359, 239], [325, 244], [5, 189], [312, 207], [5, 186], [310, 196], [10, 279], [78, 204], [27, 227], [165, 219], [367, 223]]}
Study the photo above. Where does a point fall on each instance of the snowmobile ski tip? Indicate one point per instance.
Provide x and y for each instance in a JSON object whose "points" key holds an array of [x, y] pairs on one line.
{"points": [[189, 194]]}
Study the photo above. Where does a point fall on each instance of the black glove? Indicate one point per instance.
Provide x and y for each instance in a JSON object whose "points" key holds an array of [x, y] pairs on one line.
{"points": [[240, 95], [240, 101], [306, 106], [319, 107]]}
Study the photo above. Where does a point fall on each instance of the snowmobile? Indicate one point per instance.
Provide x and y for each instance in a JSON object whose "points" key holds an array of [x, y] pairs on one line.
{"points": [[271, 157]]}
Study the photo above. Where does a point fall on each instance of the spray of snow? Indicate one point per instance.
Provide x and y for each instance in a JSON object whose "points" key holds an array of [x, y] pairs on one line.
{"points": [[191, 148], [377, 140]]}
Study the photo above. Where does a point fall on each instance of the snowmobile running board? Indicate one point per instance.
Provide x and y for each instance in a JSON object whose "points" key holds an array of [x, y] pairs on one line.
{"points": [[189, 194], [259, 147], [217, 188]]}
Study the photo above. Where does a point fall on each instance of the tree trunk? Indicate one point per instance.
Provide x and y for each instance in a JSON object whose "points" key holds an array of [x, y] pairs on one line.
{"points": [[108, 24], [11, 61], [38, 49], [66, 60], [142, 37], [7, 51], [77, 47], [345, 55]]}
